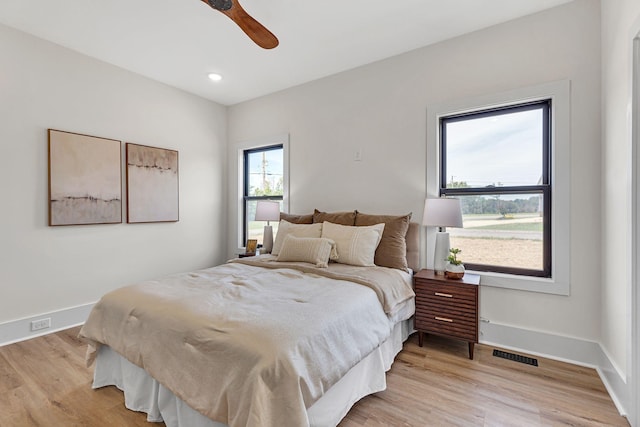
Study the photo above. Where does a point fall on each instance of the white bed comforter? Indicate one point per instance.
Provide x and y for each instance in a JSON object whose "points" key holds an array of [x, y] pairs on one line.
{"points": [[250, 345]]}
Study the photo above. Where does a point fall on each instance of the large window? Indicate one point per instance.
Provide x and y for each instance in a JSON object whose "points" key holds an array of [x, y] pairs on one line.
{"points": [[263, 180], [497, 162]]}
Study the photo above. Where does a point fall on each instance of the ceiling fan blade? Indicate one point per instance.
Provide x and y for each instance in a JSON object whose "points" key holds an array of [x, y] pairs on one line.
{"points": [[255, 30]]}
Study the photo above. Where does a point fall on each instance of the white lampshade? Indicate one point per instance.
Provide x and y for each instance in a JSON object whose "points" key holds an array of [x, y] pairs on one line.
{"points": [[442, 212], [267, 210]]}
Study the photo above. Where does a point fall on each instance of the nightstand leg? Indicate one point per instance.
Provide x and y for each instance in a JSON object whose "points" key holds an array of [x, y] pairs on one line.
{"points": [[471, 344], [420, 334]]}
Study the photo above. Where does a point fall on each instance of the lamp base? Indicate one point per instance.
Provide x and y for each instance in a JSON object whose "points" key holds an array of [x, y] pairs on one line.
{"points": [[441, 253], [267, 240]]}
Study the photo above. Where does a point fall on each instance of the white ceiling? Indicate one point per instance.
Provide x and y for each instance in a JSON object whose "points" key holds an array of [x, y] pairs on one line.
{"points": [[178, 42]]}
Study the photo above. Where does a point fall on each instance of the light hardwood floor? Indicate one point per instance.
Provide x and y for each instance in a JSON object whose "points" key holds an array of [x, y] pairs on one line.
{"points": [[43, 382]]}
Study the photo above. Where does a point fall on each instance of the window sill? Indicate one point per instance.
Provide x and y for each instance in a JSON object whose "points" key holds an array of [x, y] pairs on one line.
{"points": [[523, 283]]}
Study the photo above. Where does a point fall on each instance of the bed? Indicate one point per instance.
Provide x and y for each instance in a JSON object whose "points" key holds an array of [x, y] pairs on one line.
{"points": [[273, 340]]}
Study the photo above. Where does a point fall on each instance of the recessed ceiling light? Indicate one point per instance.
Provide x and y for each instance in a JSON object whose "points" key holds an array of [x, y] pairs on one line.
{"points": [[215, 77]]}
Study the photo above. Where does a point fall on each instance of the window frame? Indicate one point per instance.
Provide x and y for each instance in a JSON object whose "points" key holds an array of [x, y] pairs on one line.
{"points": [[544, 188], [235, 237], [560, 94], [246, 198]]}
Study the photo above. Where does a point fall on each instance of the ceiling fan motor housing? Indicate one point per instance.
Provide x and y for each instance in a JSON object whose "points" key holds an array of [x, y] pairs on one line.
{"points": [[220, 4]]}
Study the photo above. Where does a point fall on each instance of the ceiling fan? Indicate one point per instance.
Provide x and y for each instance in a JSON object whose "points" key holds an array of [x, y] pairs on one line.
{"points": [[255, 30]]}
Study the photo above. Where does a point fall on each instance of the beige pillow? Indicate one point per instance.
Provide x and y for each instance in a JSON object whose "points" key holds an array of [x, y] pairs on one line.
{"points": [[343, 218], [297, 219], [314, 250], [392, 250], [297, 230], [355, 245]]}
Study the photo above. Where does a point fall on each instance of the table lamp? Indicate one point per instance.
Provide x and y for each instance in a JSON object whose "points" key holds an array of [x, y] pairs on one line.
{"points": [[267, 210], [442, 212]]}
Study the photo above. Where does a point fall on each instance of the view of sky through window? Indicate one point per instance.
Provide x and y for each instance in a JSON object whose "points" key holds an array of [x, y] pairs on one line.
{"points": [[503, 150], [266, 173]]}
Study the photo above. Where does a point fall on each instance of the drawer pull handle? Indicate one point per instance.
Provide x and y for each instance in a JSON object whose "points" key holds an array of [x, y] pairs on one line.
{"points": [[444, 319], [440, 294]]}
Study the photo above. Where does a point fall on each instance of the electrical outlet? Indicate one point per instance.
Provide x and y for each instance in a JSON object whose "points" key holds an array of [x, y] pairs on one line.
{"points": [[36, 325]]}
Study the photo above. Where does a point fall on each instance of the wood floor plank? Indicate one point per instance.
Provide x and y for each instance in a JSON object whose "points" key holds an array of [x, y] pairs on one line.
{"points": [[9, 378], [44, 382]]}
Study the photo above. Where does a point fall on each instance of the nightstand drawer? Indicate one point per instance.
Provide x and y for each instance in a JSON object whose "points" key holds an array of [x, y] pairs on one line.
{"points": [[436, 301], [461, 315], [444, 292], [447, 326]]}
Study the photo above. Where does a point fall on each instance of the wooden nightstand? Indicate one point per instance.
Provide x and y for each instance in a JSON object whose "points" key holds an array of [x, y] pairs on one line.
{"points": [[447, 307]]}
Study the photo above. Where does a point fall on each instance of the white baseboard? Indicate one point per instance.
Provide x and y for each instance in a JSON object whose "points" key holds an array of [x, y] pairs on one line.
{"points": [[615, 382], [566, 349], [20, 330]]}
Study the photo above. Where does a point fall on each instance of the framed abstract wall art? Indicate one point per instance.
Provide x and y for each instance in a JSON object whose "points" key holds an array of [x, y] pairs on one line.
{"points": [[152, 184], [85, 184]]}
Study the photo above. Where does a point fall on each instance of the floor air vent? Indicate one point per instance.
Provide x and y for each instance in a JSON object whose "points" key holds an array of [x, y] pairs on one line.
{"points": [[515, 357]]}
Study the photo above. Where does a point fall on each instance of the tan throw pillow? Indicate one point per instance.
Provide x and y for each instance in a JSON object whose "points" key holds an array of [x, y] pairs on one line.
{"points": [[392, 250], [355, 245], [314, 250], [297, 219], [297, 230], [343, 218]]}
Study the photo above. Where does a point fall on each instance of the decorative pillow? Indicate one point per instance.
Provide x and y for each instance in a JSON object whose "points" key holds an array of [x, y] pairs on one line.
{"points": [[297, 230], [314, 250], [355, 245], [343, 218], [297, 219], [392, 250]]}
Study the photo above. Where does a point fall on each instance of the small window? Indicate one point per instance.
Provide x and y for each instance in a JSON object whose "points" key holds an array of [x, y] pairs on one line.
{"points": [[497, 162], [263, 180]]}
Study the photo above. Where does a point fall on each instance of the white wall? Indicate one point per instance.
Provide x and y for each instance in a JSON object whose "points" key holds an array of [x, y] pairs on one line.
{"points": [[620, 24], [381, 109], [45, 269]]}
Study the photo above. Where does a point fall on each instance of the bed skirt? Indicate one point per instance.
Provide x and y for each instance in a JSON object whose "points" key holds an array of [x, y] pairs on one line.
{"points": [[142, 393]]}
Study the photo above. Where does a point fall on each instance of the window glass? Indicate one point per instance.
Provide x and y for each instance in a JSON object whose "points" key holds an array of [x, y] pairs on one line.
{"points": [[501, 230], [265, 172], [498, 150]]}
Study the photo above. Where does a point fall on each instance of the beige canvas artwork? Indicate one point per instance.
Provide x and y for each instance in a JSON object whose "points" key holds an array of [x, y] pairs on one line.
{"points": [[152, 184], [85, 185]]}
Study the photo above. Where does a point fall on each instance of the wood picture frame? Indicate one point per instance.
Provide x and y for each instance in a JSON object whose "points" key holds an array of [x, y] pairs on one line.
{"points": [[85, 179], [252, 246], [152, 184]]}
